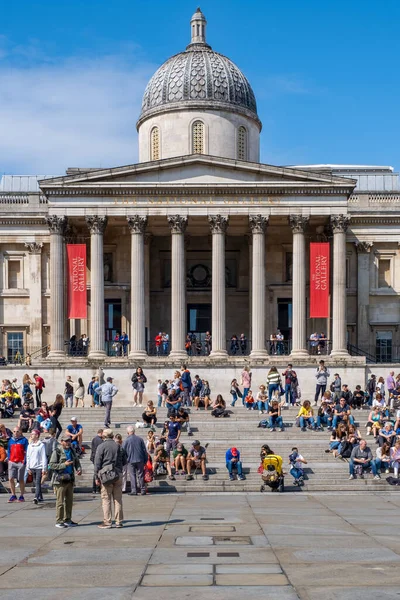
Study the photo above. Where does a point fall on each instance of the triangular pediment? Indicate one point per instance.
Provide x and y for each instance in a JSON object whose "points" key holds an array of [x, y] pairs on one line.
{"points": [[196, 170]]}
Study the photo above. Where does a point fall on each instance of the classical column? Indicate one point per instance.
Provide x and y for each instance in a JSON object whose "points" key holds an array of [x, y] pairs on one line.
{"points": [[218, 225], [339, 321], [35, 294], [178, 226], [363, 261], [258, 225], [147, 251], [137, 225], [298, 224], [97, 226], [57, 226]]}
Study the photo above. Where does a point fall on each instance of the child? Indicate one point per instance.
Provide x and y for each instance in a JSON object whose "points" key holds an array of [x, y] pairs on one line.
{"points": [[297, 461], [250, 404], [261, 400], [151, 442]]}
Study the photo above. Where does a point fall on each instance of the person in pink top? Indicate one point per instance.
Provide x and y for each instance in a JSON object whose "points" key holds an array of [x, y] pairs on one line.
{"points": [[395, 458], [246, 383]]}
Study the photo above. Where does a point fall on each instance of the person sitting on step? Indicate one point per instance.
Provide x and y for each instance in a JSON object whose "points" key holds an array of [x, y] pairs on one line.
{"points": [[232, 460], [196, 458], [360, 460], [274, 414], [306, 416], [296, 461]]}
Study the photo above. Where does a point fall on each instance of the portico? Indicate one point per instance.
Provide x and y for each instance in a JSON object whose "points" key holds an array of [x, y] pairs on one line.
{"points": [[235, 235]]}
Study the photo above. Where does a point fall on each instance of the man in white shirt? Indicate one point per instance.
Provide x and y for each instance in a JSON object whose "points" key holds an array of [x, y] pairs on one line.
{"points": [[36, 463]]}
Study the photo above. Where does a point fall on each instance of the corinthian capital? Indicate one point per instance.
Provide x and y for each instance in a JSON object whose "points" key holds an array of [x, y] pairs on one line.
{"points": [[177, 223], [258, 223], [56, 224], [137, 224], [96, 224], [298, 223], [340, 223], [363, 247], [218, 223], [34, 247]]}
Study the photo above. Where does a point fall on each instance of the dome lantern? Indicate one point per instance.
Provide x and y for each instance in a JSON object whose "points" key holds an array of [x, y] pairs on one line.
{"points": [[198, 25]]}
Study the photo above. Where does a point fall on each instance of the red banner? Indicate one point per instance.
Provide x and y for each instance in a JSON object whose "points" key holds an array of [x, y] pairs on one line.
{"points": [[319, 280], [77, 301]]}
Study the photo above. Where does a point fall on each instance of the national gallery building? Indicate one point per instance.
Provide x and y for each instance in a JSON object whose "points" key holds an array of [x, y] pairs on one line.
{"points": [[199, 236]]}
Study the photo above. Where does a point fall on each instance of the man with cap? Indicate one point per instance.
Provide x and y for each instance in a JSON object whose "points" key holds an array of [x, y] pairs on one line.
{"points": [[232, 459], [107, 392], [64, 462], [196, 458], [75, 432]]}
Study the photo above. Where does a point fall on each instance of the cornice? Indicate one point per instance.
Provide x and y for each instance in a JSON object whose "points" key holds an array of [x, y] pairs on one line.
{"points": [[21, 221], [377, 220]]}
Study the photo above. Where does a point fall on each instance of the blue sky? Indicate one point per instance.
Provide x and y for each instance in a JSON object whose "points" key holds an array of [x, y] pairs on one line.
{"points": [[72, 74]]}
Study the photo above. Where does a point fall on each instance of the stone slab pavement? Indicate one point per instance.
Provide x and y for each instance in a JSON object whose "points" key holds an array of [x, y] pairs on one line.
{"points": [[208, 546]]}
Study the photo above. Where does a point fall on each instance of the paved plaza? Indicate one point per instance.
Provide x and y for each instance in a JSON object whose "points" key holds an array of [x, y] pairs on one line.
{"points": [[269, 546]]}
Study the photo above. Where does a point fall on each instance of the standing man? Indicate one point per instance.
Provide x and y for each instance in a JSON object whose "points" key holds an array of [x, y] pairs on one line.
{"points": [[136, 454], [107, 392], [110, 460], [39, 387], [322, 375], [390, 383], [64, 462], [36, 463], [16, 456], [69, 391], [96, 441], [290, 382], [186, 383], [371, 389]]}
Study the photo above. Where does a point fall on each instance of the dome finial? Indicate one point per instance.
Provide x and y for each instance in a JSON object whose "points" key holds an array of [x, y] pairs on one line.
{"points": [[198, 27]]}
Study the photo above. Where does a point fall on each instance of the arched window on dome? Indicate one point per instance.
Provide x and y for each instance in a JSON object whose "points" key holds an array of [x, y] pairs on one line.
{"points": [[198, 137], [155, 144], [242, 143]]}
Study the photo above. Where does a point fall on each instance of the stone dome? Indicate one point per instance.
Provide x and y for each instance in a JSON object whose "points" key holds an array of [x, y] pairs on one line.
{"points": [[198, 78]]}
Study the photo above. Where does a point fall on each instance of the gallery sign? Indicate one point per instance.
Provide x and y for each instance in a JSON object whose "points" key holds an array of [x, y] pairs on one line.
{"points": [[319, 279], [76, 269]]}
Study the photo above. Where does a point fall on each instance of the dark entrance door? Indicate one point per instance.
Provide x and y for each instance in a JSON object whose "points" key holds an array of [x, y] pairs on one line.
{"points": [[285, 317], [199, 319], [112, 322]]}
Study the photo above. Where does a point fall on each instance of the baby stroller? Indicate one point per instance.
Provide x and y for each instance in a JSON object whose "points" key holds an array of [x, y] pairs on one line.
{"points": [[271, 473]]}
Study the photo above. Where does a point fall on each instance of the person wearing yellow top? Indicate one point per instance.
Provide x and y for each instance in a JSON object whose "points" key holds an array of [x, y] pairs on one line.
{"points": [[306, 416]]}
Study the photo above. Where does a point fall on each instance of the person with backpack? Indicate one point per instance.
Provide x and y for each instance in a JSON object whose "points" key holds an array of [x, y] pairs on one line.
{"points": [[109, 462], [290, 384], [107, 392], [69, 391], [235, 391], [64, 463], [371, 389]]}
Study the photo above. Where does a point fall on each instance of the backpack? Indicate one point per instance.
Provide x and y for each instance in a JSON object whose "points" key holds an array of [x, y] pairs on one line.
{"points": [[68, 388]]}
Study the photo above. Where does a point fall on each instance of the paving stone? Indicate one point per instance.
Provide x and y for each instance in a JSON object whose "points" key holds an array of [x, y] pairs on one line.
{"points": [[213, 529], [173, 581], [12, 555], [179, 569], [194, 541], [219, 593], [355, 593], [247, 579], [224, 569], [81, 576], [71, 555], [246, 555], [116, 593]]}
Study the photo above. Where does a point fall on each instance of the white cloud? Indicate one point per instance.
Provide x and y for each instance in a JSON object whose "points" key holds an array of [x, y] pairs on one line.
{"points": [[78, 113]]}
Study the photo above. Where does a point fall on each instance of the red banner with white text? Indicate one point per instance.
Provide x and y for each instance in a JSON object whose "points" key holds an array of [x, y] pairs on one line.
{"points": [[319, 280], [77, 295]]}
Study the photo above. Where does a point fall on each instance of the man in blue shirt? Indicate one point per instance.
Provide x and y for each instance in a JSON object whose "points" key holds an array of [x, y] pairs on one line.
{"points": [[232, 458], [174, 433], [75, 433]]}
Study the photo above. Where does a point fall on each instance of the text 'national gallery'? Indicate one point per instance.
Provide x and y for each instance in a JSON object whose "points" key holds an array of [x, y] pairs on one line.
{"points": [[199, 243]]}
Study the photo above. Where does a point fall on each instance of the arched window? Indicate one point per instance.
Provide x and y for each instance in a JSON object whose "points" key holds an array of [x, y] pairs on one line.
{"points": [[242, 143], [155, 144], [198, 137]]}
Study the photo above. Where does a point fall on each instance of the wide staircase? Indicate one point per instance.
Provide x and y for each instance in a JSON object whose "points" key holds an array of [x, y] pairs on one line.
{"points": [[323, 472]]}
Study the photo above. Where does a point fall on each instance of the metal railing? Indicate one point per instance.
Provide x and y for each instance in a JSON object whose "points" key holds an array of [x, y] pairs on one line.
{"points": [[321, 347], [279, 347]]}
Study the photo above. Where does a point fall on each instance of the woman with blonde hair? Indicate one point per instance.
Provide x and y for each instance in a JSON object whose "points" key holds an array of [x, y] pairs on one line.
{"points": [[79, 393]]}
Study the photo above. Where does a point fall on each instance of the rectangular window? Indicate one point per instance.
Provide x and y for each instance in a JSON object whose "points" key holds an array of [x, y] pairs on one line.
{"points": [[383, 346], [15, 346], [384, 273], [288, 266], [14, 274]]}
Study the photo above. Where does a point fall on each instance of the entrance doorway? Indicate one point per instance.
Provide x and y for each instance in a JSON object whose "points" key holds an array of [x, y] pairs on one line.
{"points": [[285, 317], [112, 322], [199, 319]]}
